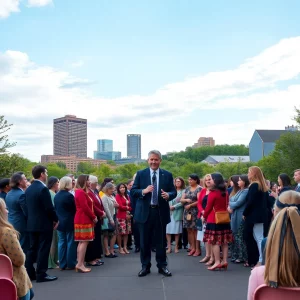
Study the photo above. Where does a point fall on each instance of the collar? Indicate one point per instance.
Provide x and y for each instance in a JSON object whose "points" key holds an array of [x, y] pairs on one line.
{"points": [[40, 181], [152, 171]]}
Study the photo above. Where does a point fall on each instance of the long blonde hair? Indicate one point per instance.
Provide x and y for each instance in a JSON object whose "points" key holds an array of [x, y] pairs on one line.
{"points": [[284, 265], [3, 218], [258, 177]]}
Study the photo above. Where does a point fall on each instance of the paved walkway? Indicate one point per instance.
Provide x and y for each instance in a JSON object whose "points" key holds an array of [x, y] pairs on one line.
{"points": [[117, 279]]}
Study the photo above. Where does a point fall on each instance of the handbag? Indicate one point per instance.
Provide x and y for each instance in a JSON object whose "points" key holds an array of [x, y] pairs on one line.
{"points": [[189, 216], [199, 224], [222, 217], [104, 226]]}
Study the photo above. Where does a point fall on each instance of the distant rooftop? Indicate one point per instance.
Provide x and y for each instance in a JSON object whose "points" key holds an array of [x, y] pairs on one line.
{"points": [[270, 136]]}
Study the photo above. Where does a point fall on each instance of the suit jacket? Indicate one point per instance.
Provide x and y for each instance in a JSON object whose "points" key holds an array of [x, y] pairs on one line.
{"points": [[3, 195], [142, 180], [41, 213], [122, 210], [17, 209], [256, 210], [64, 203]]}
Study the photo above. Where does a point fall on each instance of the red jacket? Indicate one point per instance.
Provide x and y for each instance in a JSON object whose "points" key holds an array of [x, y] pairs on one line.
{"points": [[199, 203], [98, 207], [215, 201], [124, 206], [84, 208]]}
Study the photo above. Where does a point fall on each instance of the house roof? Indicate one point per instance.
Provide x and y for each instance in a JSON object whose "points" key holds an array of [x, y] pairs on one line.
{"points": [[226, 158], [270, 136]]}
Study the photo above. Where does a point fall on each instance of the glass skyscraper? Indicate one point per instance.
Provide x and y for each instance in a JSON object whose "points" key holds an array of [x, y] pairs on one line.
{"points": [[134, 146]]}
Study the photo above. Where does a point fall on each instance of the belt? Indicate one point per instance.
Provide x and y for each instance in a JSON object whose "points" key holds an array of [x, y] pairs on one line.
{"points": [[153, 206]]}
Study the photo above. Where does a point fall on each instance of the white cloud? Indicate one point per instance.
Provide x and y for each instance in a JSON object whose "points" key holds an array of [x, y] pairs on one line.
{"points": [[7, 7], [32, 95], [39, 3]]}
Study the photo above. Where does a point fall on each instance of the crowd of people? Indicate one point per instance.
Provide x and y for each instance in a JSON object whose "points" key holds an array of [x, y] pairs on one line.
{"points": [[72, 223]]}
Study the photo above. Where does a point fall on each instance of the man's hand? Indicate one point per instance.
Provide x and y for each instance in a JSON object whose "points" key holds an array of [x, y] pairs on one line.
{"points": [[164, 194], [148, 189]]}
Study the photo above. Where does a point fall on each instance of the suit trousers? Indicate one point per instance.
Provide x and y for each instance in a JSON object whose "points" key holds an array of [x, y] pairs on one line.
{"points": [[67, 249], [39, 249], [153, 227]]}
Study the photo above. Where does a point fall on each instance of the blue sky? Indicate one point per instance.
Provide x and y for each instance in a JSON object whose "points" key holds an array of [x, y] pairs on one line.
{"points": [[121, 59]]}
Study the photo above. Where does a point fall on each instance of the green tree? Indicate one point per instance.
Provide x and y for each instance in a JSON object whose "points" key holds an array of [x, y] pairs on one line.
{"points": [[85, 168], [297, 116], [61, 165], [4, 142], [11, 163], [54, 170]]}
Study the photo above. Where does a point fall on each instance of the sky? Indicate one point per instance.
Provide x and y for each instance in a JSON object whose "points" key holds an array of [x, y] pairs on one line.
{"points": [[170, 70]]}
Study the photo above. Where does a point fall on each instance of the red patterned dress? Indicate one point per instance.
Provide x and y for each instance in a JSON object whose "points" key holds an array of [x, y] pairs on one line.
{"points": [[216, 234], [123, 215]]}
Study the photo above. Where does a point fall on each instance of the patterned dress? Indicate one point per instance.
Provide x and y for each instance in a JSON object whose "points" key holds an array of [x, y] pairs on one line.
{"points": [[193, 211]]}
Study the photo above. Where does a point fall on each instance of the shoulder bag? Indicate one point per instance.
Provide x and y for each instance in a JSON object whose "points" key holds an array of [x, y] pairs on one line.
{"points": [[222, 217]]}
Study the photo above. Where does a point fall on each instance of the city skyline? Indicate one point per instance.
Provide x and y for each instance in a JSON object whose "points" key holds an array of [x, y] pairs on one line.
{"points": [[221, 69]]}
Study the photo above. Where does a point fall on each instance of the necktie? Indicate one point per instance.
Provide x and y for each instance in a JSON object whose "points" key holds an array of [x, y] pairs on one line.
{"points": [[154, 193]]}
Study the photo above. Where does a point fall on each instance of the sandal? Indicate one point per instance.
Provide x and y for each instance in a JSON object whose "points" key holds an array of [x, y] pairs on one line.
{"points": [[204, 260], [210, 262]]}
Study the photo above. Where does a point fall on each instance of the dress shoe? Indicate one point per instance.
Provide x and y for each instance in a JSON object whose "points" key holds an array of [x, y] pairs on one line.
{"points": [[144, 272], [153, 250], [137, 250], [46, 278], [164, 271]]}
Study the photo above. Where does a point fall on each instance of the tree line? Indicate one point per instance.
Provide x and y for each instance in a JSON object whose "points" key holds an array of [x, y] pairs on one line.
{"points": [[284, 159]]}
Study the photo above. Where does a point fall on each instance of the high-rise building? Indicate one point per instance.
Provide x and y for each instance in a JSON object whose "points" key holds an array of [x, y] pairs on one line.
{"points": [[134, 146], [107, 155], [204, 141], [104, 145], [70, 136]]}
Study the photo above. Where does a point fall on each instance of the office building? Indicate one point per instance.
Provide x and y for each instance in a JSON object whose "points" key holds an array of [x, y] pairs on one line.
{"points": [[104, 145], [134, 146], [107, 155], [204, 141], [71, 161], [70, 136]]}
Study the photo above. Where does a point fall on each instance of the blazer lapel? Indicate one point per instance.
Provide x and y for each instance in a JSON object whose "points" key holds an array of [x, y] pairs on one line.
{"points": [[161, 181]]}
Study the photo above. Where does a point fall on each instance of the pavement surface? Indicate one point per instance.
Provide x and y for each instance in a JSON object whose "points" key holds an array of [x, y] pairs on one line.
{"points": [[117, 279]]}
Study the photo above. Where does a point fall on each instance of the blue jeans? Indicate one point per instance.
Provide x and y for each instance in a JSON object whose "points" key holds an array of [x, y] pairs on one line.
{"points": [[24, 241], [28, 296], [67, 249]]}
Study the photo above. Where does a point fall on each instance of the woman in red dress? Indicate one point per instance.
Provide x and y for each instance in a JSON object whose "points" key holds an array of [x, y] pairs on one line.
{"points": [[84, 221], [123, 217], [217, 234]]}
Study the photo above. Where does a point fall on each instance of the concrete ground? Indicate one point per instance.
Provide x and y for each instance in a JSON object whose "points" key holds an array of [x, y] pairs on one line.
{"points": [[117, 279]]}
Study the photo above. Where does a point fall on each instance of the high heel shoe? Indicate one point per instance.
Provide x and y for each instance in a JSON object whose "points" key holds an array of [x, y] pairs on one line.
{"points": [[197, 253], [205, 259], [176, 250], [169, 250], [214, 268], [210, 262], [78, 270], [191, 253], [224, 266]]}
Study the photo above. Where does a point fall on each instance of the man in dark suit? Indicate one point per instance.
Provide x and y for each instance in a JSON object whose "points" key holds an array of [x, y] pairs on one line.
{"points": [[17, 210], [153, 188], [297, 179], [41, 221]]}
